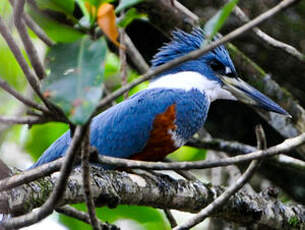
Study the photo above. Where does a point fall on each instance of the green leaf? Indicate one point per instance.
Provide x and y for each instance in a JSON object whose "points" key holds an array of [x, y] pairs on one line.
{"points": [[64, 6], [83, 4], [212, 27], [129, 16], [148, 217], [57, 31], [46, 134], [84, 9], [76, 74], [125, 4], [187, 153]]}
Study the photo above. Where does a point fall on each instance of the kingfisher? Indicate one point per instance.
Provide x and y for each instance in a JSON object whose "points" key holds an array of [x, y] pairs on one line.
{"points": [[163, 117]]}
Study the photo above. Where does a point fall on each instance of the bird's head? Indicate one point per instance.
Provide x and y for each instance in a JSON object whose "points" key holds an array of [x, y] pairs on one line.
{"points": [[213, 73]]}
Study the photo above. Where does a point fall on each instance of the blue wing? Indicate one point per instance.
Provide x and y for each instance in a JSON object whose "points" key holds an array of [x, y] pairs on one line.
{"points": [[122, 130]]}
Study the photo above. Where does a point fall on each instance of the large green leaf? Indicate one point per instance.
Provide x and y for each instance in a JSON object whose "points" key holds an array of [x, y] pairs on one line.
{"points": [[75, 78], [64, 6], [212, 27], [125, 4]]}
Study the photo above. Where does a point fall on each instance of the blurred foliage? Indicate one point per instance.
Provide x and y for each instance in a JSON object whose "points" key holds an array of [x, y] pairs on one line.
{"points": [[187, 153], [129, 16], [39, 137], [214, 24], [66, 6], [149, 218], [57, 31]]}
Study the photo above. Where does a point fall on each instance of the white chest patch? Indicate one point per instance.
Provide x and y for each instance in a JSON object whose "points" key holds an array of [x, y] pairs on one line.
{"points": [[178, 141], [189, 80]]}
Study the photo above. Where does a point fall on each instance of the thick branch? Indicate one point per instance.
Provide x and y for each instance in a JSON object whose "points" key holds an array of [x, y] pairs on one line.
{"points": [[112, 188]]}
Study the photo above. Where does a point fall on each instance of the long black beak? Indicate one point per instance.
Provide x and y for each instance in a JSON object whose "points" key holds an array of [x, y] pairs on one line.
{"points": [[249, 95]]}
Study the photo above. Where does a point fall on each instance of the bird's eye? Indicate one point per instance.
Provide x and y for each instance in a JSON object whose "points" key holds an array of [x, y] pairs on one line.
{"points": [[217, 67], [220, 68]]}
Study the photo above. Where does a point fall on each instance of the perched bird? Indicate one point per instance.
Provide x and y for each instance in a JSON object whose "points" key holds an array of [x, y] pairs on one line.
{"points": [[158, 120]]}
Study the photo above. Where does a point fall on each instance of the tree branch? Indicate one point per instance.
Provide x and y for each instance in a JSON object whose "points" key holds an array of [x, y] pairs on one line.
{"points": [[4, 85], [224, 197], [47, 208], [85, 154], [112, 188], [82, 216], [37, 30], [221, 200], [21, 61], [268, 39], [53, 166], [30, 120], [28, 45]]}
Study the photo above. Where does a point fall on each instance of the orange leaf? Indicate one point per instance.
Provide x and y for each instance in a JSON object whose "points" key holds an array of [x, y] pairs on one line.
{"points": [[106, 20], [91, 9]]}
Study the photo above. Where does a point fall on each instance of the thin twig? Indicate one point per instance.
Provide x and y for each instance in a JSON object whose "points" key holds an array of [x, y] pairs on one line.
{"points": [[197, 53], [28, 45], [219, 201], [122, 55], [30, 175], [30, 120], [223, 198], [187, 175], [123, 62], [270, 40], [86, 182], [37, 30], [135, 56], [4, 85], [82, 216], [284, 147], [48, 207], [21, 60], [35, 27], [4, 170], [232, 147], [248, 153], [260, 137], [170, 218]]}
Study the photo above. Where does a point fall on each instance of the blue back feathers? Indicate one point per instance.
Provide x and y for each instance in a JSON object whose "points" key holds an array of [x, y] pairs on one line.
{"points": [[124, 129], [183, 43]]}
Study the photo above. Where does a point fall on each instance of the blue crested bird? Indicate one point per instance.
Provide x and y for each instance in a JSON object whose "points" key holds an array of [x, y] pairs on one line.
{"points": [[158, 120]]}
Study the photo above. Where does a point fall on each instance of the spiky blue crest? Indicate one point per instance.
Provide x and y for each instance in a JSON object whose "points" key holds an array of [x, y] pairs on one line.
{"points": [[183, 43]]}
